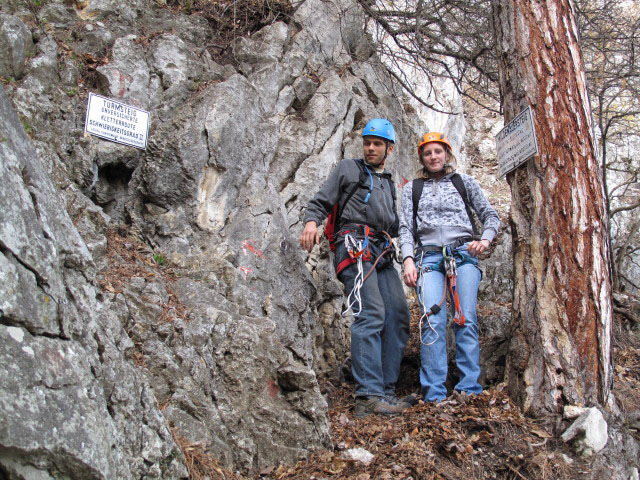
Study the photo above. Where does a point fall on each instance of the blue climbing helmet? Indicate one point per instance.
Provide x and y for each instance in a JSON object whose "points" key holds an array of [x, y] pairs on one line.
{"points": [[380, 127]]}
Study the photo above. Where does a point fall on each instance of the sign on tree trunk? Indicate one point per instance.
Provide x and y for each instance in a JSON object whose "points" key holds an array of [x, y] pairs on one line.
{"points": [[516, 142]]}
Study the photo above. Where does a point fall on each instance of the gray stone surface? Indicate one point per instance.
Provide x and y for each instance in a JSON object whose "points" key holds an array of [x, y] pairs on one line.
{"points": [[234, 154], [16, 44], [228, 343], [127, 76], [588, 433]]}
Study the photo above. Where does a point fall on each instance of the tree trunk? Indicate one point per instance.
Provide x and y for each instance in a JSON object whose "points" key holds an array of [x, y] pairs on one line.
{"points": [[562, 310]]}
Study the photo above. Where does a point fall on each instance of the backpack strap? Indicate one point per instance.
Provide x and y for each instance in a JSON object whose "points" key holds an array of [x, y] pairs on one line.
{"points": [[456, 179], [364, 176], [333, 218], [396, 221], [416, 191]]}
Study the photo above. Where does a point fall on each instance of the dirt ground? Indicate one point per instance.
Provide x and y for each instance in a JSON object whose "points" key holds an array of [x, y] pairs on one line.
{"points": [[480, 437]]}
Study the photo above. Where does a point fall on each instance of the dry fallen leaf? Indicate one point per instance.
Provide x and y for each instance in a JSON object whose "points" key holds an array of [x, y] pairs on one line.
{"points": [[267, 470], [541, 433]]}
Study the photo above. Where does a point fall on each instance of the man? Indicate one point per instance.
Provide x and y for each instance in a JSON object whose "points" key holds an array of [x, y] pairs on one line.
{"points": [[366, 211]]}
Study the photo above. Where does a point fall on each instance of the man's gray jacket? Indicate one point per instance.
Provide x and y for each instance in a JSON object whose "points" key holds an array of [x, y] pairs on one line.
{"points": [[378, 213]]}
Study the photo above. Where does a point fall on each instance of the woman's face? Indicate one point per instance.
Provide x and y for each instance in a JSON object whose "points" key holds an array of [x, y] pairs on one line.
{"points": [[433, 156]]}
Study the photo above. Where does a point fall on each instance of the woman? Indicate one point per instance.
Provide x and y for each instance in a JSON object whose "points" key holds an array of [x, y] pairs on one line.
{"points": [[439, 251]]}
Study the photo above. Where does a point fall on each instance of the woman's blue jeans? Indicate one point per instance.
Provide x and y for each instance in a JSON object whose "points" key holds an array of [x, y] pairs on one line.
{"points": [[433, 351], [380, 331]]}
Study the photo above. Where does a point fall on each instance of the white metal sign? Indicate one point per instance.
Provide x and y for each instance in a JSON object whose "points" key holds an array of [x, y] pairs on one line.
{"points": [[516, 142], [116, 121]]}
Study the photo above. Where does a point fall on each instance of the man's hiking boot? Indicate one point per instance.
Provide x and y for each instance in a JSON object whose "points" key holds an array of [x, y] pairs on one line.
{"points": [[405, 402], [366, 406]]}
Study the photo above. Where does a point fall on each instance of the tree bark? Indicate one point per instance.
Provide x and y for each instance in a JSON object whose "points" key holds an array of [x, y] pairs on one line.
{"points": [[562, 308]]}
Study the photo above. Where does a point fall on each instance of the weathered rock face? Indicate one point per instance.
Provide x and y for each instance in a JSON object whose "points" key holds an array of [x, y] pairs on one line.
{"points": [[72, 405], [102, 358], [16, 41], [105, 351]]}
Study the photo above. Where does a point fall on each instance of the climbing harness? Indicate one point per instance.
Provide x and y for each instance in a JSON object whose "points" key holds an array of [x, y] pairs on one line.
{"points": [[451, 281], [359, 251]]}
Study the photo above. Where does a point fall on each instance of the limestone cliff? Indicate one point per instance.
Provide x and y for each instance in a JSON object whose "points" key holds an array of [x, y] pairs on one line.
{"points": [[159, 291]]}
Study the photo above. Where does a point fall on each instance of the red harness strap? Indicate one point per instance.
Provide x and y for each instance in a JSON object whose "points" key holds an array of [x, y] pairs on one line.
{"points": [[344, 264], [459, 316], [365, 253]]}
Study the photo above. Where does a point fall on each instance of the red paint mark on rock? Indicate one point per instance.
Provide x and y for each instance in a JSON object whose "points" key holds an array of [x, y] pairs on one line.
{"points": [[272, 388], [123, 80], [246, 271], [247, 245], [403, 182]]}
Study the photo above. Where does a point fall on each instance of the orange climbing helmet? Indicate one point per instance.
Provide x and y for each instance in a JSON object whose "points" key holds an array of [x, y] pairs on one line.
{"points": [[434, 137]]}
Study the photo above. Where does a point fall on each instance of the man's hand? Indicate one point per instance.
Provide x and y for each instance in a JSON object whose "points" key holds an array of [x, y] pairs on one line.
{"points": [[410, 273], [309, 236], [477, 246]]}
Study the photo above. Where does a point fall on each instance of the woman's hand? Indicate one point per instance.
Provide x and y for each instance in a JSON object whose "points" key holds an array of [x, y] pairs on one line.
{"points": [[410, 275], [477, 247]]}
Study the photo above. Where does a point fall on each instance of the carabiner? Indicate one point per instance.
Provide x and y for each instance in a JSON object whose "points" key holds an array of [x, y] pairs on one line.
{"points": [[449, 261]]}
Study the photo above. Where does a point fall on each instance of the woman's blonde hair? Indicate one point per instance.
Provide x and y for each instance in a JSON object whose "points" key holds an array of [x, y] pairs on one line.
{"points": [[449, 166]]}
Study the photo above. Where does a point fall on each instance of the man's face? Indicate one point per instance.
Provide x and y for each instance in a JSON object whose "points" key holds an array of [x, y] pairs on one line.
{"points": [[374, 150]]}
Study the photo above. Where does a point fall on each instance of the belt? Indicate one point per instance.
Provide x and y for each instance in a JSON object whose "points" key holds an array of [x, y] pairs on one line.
{"points": [[438, 248]]}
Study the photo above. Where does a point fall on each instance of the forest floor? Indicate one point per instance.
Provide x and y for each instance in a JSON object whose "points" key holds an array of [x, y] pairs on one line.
{"points": [[479, 437]]}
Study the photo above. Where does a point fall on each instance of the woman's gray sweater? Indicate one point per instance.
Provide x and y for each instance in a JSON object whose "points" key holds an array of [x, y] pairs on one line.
{"points": [[442, 217]]}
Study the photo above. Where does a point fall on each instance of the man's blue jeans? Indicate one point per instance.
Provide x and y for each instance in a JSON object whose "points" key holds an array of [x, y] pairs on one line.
{"points": [[380, 331], [433, 352]]}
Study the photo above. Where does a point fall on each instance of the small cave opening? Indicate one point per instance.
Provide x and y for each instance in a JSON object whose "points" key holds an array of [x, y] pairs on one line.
{"points": [[112, 188], [115, 174]]}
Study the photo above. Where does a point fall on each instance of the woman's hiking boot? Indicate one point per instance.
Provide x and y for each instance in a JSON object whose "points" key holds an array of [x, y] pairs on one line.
{"points": [[366, 406]]}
